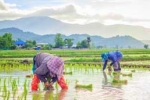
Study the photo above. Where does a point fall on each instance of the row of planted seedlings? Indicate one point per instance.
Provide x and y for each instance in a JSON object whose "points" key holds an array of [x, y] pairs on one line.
{"points": [[82, 67], [17, 89], [13, 88], [11, 65], [97, 67], [70, 53], [86, 67], [135, 67]]}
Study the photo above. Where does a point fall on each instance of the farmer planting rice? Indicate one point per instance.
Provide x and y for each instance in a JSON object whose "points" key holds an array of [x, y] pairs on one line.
{"points": [[114, 57], [48, 69]]}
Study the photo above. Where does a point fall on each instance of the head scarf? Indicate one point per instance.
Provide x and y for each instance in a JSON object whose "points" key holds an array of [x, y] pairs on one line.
{"points": [[104, 56], [56, 66]]}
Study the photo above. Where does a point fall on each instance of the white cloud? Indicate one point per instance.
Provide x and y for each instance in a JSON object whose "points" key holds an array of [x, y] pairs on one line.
{"points": [[3, 6], [133, 12]]}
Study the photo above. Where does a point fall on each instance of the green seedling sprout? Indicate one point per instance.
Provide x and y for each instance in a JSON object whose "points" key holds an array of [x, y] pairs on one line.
{"points": [[4, 89], [133, 70], [8, 95], [67, 73], [14, 87], [51, 96], [36, 96], [89, 86], [25, 90], [117, 81], [56, 86], [130, 74]]}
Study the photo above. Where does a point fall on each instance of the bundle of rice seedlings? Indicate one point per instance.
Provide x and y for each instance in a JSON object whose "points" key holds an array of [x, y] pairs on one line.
{"points": [[67, 73], [119, 81], [89, 86], [130, 74]]}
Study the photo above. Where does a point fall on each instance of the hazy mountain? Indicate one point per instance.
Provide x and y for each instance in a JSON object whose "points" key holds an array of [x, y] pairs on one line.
{"points": [[146, 42], [39, 25], [17, 33], [46, 25], [117, 41]]}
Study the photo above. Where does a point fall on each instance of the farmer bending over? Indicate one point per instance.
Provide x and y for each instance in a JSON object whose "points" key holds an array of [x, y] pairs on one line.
{"points": [[114, 57], [47, 68]]}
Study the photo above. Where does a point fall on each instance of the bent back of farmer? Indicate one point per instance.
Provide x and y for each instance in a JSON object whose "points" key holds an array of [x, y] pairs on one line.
{"points": [[114, 57], [47, 66]]}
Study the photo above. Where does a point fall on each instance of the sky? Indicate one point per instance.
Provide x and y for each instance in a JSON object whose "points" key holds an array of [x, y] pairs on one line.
{"points": [[107, 12]]}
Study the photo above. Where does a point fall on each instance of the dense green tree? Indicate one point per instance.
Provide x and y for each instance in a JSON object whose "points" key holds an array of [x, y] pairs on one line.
{"points": [[82, 44], [59, 41], [68, 42], [47, 47], [79, 45], [2, 43], [146, 46], [30, 44], [6, 41], [34, 42]]}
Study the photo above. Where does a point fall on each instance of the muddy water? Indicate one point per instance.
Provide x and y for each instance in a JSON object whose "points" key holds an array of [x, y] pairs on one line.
{"points": [[137, 88]]}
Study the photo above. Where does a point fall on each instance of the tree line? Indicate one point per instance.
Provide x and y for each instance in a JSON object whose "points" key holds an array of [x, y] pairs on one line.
{"points": [[6, 42]]}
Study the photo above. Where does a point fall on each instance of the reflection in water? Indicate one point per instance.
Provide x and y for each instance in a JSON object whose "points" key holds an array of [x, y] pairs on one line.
{"points": [[111, 91], [49, 95], [62, 94], [110, 83], [36, 96]]}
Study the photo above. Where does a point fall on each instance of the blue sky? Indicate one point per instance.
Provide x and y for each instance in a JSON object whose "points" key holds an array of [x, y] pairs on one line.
{"points": [[131, 12], [25, 4], [107, 12]]}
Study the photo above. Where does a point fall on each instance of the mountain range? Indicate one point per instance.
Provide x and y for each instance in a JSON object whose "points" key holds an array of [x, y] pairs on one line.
{"points": [[117, 41], [44, 29]]}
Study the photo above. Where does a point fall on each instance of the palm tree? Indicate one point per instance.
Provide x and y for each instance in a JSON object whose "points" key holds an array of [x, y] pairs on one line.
{"points": [[88, 40]]}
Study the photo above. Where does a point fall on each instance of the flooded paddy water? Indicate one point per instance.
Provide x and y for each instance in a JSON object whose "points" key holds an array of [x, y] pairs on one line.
{"points": [[15, 86]]}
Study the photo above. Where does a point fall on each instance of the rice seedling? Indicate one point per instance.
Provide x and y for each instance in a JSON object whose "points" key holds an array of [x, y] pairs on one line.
{"points": [[4, 89], [116, 73], [25, 90], [67, 73], [51, 96], [36, 96], [56, 86], [117, 81], [130, 74], [133, 70], [14, 88], [89, 86], [29, 76], [8, 95]]}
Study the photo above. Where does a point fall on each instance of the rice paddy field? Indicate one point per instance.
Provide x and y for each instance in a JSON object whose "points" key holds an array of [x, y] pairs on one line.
{"points": [[83, 74]]}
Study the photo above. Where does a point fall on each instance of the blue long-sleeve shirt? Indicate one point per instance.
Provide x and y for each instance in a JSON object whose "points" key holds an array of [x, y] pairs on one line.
{"points": [[113, 57]]}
